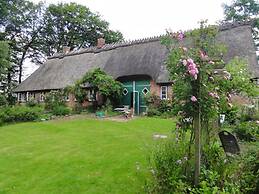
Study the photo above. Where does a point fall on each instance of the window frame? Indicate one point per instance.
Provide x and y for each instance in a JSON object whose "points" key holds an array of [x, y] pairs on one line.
{"points": [[42, 96], [91, 96], [166, 92]]}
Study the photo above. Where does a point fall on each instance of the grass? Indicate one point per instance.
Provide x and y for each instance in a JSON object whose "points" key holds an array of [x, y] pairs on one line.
{"points": [[78, 156]]}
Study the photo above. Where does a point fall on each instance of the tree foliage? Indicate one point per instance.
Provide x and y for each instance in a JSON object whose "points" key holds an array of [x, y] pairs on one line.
{"points": [[4, 66], [100, 82], [35, 31], [4, 60], [21, 25], [75, 26]]}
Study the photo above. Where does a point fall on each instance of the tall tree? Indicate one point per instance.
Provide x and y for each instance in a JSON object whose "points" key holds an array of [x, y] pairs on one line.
{"points": [[242, 10], [4, 67], [35, 31], [21, 22], [4, 61], [75, 26]]}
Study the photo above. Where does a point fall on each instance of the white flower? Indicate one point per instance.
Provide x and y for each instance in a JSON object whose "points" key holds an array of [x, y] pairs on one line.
{"points": [[179, 162]]}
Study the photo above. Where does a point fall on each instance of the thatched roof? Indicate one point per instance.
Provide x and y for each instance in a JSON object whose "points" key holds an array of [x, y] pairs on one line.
{"points": [[140, 57]]}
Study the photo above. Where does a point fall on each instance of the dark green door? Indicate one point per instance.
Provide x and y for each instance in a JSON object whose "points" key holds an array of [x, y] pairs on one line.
{"points": [[134, 93], [127, 94], [143, 88]]}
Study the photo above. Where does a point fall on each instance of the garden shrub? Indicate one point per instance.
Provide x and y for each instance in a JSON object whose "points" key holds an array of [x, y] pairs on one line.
{"points": [[172, 169], [248, 113], [54, 99], [247, 131], [20, 113], [232, 115], [61, 110], [3, 100], [153, 112], [78, 108], [158, 107], [168, 165], [249, 178], [31, 103]]}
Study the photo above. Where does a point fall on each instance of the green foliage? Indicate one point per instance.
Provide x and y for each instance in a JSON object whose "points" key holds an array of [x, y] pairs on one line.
{"points": [[153, 112], [168, 167], [35, 31], [172, 170], [248, 113], [240, 78], [203, 85], [21, 26], [240, 10], [73, 25], [212, 89], [3, 100], [100, 82], [4, 60], [20, 114], [247, 131], [249, 178], [54, 99], [61, 110], [158, 107], [206, 54], [232, 115], [31, 103]]}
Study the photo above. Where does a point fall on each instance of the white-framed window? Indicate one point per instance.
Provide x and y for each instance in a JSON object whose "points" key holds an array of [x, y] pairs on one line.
{"points": [[21, 97], [91, 95], [42, 96], [30, 96], [164, 91]]}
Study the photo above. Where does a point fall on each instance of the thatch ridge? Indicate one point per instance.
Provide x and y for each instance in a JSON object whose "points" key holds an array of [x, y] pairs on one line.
{"points": [[106, 47]]}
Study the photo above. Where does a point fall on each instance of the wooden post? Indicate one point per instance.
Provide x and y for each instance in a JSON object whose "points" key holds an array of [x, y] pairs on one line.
{"points": [[197, 131]]}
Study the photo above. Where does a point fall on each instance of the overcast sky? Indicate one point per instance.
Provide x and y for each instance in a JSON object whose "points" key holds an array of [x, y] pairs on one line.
{"points": [[146, 18]]}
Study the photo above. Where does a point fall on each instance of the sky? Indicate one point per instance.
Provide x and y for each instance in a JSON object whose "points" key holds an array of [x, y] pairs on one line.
{"points": [[144, 18], [138, 19]]}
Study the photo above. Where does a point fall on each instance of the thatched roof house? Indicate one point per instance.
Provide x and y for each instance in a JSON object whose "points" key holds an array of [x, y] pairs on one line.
{"points": [[131, 60]]}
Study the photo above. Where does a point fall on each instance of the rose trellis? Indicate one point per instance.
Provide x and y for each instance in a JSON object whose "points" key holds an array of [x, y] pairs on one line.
{"points": [[201, 84]]}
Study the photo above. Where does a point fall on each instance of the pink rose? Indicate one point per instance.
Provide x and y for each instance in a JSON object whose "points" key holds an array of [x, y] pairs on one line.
{"points": [[185, 49], [193, 98], [184, 62], [211, 62], [190, 60], [211, 94], [180, 35]]}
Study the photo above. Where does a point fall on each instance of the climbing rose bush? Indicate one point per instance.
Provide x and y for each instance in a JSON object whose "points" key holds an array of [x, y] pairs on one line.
{"points": [[200, 76], [202, 83]]}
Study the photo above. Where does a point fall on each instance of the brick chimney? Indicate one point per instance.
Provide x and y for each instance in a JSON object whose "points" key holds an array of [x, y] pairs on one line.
{"points": [[66, 49], [100, 42]]}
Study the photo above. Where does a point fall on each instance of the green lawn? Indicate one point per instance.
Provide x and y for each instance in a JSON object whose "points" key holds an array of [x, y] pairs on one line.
{"points": [[77, 156]]}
